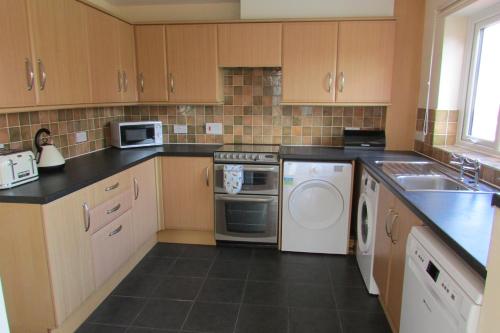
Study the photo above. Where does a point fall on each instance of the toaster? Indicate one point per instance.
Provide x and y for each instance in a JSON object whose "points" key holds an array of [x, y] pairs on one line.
{"points": [[17, 167]]}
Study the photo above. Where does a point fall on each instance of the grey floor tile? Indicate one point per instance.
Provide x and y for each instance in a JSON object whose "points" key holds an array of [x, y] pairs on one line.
{"points": [[265, 293], [354, 322], [179, 288], [303, 258], [262, 319], [138, 285], [307, 273], [315, 321], [234, 253], [167, 250], [154, 265], [266, 256], [99, 328], [191, 267], [346, 275], [356, 299], [117, 310], [147, 330], [310, 296], [212, 317], [229, 270], [164, 314], [222, 290], [267, 272], [200, 251]]}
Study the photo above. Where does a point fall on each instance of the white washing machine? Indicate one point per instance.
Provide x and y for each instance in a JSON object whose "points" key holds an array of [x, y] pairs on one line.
{"points": [[316, 201], [366, 226]]}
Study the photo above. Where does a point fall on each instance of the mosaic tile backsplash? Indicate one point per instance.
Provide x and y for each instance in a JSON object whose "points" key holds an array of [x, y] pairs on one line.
{"points": [[251, 114]]}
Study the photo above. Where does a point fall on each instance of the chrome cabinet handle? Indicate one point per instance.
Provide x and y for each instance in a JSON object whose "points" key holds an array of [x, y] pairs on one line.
{"points": [[342, 82], [30, 74], [394, 218], [136, 189], [119, 81], [243, 199], [207, 176], [42, 74], [117, 230], [86, 216], [125, 81], [389, 212], [141, 82], [172, 86], [330, 82], [112, 187], [114, 209]]}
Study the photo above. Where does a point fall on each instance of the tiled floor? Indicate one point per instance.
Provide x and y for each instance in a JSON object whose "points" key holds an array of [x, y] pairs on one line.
{"points": [[187, 288]]}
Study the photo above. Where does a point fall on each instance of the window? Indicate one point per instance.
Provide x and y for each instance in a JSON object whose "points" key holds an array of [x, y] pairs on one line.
{"points": [[482, 108]]}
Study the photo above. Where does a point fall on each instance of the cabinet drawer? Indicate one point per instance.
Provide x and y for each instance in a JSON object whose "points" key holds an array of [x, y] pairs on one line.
{"points": [[106, 212], [111, 186], [111, 247]]}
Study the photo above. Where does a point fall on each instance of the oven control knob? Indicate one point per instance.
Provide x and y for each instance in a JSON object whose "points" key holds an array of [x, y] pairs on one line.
{"points": [[221, 155], [255, 157], [234, 156], [248, 156], [241, 156]]}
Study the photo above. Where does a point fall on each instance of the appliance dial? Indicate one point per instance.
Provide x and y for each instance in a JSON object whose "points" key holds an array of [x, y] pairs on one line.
{"points": [[255, 157], [241, 156]]}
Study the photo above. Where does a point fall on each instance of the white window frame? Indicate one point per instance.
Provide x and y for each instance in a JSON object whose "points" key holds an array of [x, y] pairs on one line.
{"points": [[476, 23]]}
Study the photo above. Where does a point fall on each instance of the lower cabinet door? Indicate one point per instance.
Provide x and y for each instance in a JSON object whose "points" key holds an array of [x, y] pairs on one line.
{"points": [[111, 247]]}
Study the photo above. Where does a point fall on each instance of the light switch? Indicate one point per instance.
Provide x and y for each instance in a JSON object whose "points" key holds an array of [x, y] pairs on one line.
{"points": [[180, 129], [80, 136], [213, 128]]}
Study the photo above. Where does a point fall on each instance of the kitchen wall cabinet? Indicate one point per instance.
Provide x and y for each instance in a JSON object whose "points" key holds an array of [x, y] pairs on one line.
{"points": [[194, 76], [365, 61], [394, 222], [60, 51], [145, 205], [309, 60], [69, 251], [151, 50], [127, 61], [188, 199], [16, 66], [249, 44]]}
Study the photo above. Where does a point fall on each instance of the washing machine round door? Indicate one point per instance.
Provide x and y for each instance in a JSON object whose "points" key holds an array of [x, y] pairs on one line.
{"points": [[365, 223], [316, 204]]}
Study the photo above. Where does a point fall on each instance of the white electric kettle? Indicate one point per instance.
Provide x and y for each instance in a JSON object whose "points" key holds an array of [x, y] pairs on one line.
{"points": [[47, 156]]}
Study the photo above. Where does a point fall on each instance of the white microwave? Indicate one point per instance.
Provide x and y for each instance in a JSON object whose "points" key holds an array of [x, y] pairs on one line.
{"points": [[130, 134]]}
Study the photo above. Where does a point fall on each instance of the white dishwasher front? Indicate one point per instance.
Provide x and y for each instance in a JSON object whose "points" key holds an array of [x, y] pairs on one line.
{"points": [[441, 293]]}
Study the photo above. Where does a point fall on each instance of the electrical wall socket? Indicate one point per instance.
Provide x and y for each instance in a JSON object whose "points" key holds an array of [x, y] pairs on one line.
{"points": [[80, 136], [213, 128], [180, 129]]}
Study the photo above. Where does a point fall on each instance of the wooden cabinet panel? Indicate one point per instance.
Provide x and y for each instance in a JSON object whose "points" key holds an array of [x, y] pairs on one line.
{"points": [[69, 252], [309, 59], [104, 43], [59, 33], [192, 63], [145, 205], [15, 55], [382, 254], [188, 193], [127, 61], [365, 59], [151, 63], [110, 187], [400, 230], [249, 45]]}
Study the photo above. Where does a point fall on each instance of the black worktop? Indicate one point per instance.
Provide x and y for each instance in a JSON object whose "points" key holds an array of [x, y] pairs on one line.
{"points": [[463, 220], [89, 169]]}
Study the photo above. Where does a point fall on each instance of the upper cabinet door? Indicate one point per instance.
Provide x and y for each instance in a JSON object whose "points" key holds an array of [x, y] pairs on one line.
{"points": [[151, 63], [366, 52], [16, 69], [59, 33], [104, 43], [127, 62], [249, 45], [309, 59], [194, 76]]}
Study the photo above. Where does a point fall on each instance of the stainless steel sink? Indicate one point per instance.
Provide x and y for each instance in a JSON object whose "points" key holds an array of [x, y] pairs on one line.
{"points": [[430, 183], [427, 176]]}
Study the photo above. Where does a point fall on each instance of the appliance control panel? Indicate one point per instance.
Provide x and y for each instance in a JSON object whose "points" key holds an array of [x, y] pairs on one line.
{"points": [[270, 158]]}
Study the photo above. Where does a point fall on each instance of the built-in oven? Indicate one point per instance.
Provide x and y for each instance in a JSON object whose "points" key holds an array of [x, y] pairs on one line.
{"points": [[246, 218], [257, 179]]}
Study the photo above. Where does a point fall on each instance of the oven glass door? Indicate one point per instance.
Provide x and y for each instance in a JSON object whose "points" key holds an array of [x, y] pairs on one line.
{"points": [[137, 134], [250, 218], [257, 179]]}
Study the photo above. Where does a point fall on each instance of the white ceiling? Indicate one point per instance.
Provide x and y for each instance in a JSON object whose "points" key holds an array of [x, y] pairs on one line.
{"points": [[164, 2]]}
